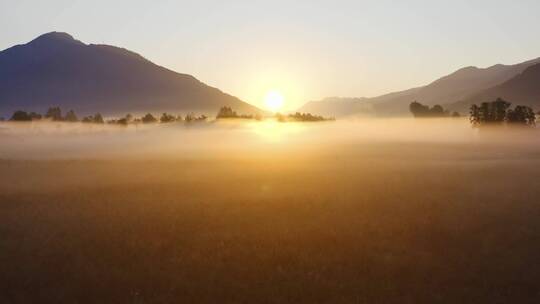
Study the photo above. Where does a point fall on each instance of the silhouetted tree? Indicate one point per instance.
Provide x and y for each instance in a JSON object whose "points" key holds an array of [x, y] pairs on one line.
{"points": [[438, 111], [521, 115], [475, 115], [24, 116], [192, 118], [498, 109], [498, 112], [149, 118], [189, 117], [54, 113], [418, 109], [98, 119], [226, 112], [71, 116], [166, 118], [305, 117], [456, 114], [489, 112], [126, 120], [20, 116]]}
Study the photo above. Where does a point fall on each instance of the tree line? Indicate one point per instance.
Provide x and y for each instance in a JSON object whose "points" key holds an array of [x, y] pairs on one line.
{"points": [[301, 117], [421, 111], [487, 113], [499, 112], [228, 113], [56, 114]]}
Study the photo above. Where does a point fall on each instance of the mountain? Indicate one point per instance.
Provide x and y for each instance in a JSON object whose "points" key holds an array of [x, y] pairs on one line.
{"points": [[458, 86], [337, 106], [57, 70], [351, 106], [523, 89]]}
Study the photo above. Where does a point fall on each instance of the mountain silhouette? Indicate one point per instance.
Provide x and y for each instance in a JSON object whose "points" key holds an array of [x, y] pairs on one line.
{"points": [[523, 89], [57, 70], [461, 85], [338, 106]]}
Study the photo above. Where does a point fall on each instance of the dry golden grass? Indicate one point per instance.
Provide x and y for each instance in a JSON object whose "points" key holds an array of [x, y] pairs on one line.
{"points": [[357, 223]]}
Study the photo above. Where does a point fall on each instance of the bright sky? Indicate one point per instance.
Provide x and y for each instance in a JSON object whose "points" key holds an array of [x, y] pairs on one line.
{"points": [[305, 49]]}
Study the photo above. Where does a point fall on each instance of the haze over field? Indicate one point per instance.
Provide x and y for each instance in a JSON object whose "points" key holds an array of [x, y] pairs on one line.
{"points": [[392, 211], [238, 139]]}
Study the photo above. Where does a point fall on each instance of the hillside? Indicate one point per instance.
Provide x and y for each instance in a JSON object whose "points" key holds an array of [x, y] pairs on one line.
{"points": [[458, 86], [523, 89], [337, 106], [57, 70]]}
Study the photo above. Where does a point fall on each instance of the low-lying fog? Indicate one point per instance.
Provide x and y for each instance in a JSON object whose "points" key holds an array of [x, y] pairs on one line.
{"points": [[375, 211], [49, 140]]}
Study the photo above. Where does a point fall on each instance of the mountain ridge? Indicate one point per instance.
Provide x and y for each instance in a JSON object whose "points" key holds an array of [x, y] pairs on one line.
{"points": [[55, 69], [522, 89], [447, 90]]}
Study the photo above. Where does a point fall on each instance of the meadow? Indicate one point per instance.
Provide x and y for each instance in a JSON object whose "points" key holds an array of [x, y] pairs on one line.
{"points": [[382, 211]]}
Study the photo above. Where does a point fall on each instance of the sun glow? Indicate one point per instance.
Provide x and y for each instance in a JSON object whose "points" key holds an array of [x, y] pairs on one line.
{"points": [[271, 130], [274, 101]]}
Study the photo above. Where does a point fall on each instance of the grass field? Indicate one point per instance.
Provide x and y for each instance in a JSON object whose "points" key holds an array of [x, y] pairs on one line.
{"points": [[367, 220]]}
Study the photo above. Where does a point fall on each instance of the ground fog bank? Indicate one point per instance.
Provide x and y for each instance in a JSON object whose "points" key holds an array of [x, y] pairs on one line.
{"points": [[389, 211]]}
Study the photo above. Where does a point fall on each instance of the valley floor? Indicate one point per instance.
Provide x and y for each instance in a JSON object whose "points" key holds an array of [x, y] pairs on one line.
{"points": [[373, 223]]}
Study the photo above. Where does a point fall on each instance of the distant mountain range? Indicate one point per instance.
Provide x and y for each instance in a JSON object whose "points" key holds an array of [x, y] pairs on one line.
{"points": [[338, 107], [57, 70], [519, 84], [523, 89]]}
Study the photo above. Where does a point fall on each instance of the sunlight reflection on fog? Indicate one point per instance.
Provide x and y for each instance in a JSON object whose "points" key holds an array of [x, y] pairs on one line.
{"points": [[43, 140], [275, 131]]}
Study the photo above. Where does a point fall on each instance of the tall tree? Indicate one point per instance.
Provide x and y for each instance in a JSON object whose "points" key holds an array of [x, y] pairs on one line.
{"points": [[149, 118], [418, 109], [226, 112], [521, 115], [71, 116], [98, 119], [489, 112], [498, 112], [166, 118], [54, 113]]}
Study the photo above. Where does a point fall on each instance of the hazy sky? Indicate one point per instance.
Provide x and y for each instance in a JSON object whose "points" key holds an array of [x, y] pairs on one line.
{"points": [[306, 49]]}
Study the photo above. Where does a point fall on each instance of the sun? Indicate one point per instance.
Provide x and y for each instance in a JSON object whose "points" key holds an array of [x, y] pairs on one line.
{"points": [[274, 101]]}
